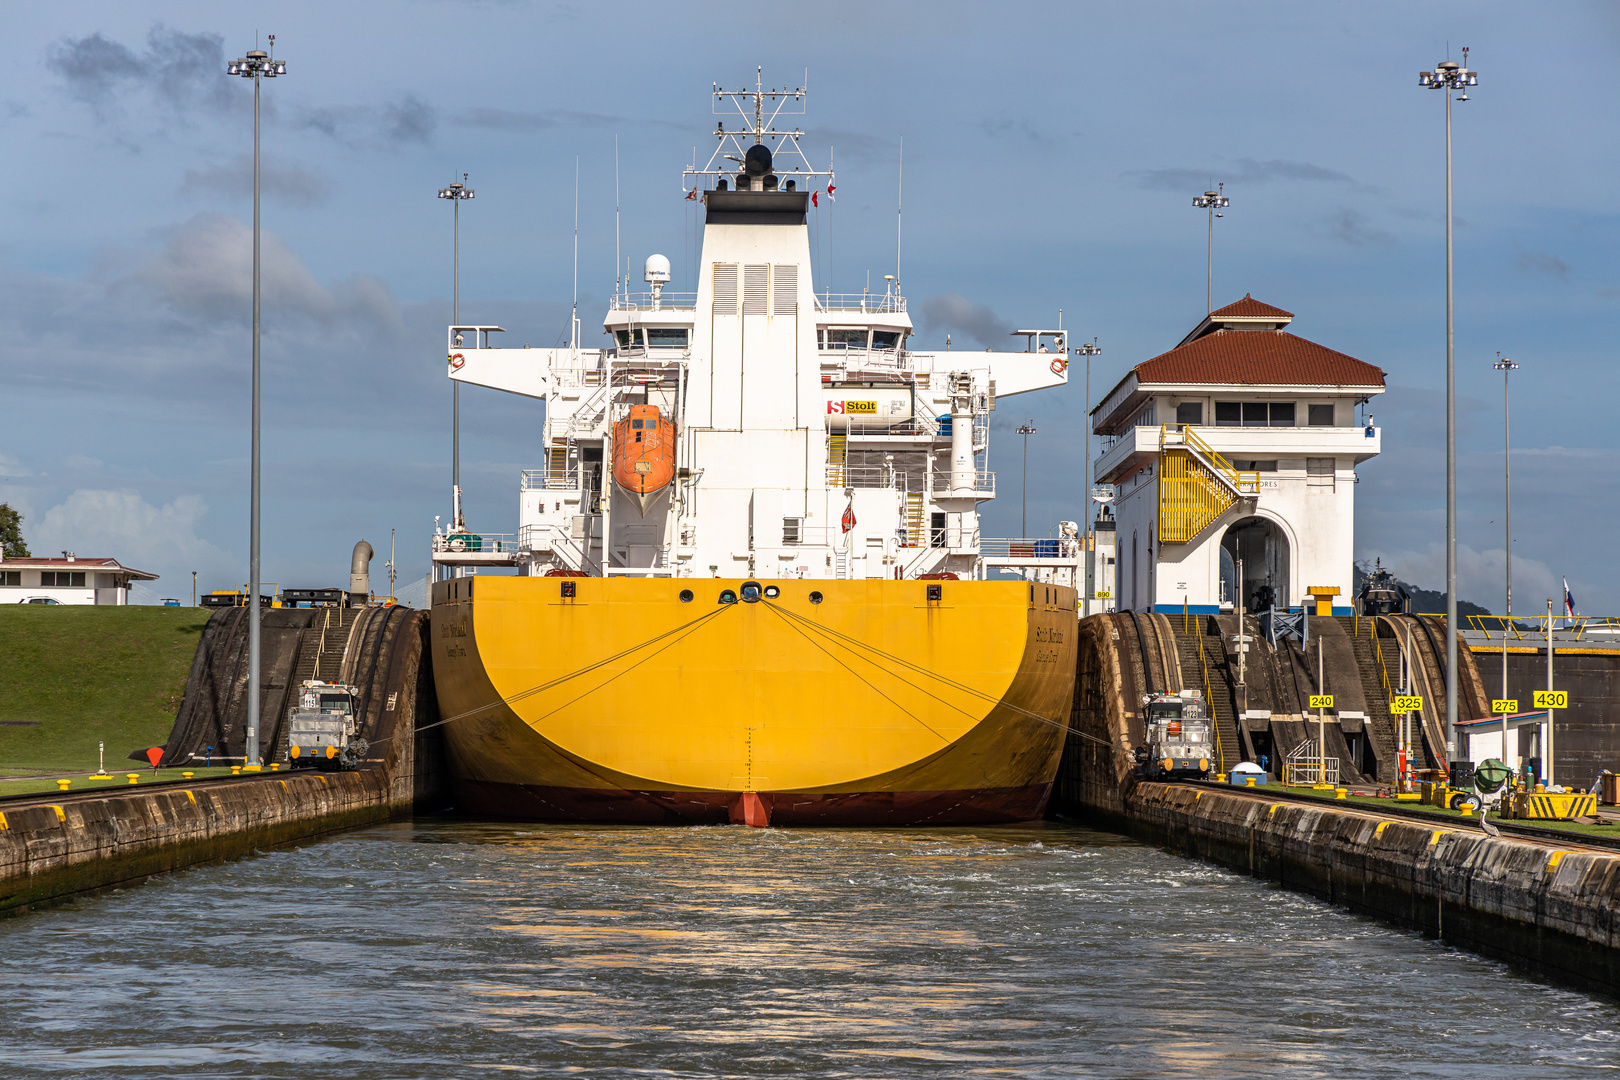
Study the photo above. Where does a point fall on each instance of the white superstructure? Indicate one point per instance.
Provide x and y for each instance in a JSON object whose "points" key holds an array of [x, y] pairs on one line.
{"points": [[811, 440]]}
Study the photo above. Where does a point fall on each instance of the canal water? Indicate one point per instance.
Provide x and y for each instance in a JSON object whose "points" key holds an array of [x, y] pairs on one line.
{"points": [[447, 949]]}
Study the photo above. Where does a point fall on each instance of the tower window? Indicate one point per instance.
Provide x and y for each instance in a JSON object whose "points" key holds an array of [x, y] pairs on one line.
{"points": [[1320, 416], [1190, 412]]}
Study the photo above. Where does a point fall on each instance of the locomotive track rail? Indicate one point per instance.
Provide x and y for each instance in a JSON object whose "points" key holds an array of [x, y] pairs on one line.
{"points": [[1508, 828]]}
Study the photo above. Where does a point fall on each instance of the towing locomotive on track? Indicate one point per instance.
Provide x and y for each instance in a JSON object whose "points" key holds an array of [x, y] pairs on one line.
{"points": [[1180, 738]]}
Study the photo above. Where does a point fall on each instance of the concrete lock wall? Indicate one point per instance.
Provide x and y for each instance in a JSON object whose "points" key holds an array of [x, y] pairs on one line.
{"points": [[1553, 908], [55, 847]]}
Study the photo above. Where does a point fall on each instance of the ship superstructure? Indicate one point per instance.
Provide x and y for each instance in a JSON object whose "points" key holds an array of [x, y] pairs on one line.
{"points": [[717, 614], [811, 439]]}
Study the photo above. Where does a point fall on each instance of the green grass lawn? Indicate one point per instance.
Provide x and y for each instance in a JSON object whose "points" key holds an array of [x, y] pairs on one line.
{"points": [[81, 781], [1368, 802], [86, 675]]}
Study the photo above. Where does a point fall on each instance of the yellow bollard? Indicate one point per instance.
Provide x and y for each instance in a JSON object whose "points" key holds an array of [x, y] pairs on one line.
{"points": [[186, 775], [1341, 793], [236, 770], [1467, 809], [133, 777], [62, 785], [1248, 781], [275, 766], [1220, 778]]}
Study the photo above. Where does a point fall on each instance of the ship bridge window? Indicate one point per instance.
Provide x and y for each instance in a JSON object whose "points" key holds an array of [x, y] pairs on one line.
{"points": [[629, 339], [885, 339], [668, 337], [846, 339]]}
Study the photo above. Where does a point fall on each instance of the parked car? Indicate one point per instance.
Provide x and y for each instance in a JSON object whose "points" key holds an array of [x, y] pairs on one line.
{"points": [[39, 600]]}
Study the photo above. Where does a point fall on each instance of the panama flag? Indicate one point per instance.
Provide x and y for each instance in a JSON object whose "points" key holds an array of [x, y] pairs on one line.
{"points": [[1569, 600]]}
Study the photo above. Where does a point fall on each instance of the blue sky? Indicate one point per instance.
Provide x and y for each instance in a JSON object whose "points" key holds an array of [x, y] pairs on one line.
{"points": [[1051, 153]]}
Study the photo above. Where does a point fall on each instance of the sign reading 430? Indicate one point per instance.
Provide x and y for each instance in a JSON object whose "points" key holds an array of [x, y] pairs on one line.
{"points": [[1552, 699]]}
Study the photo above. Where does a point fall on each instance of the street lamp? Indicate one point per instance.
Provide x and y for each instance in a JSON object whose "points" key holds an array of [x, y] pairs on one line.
{"points": [[256, 65], [1504, 365], [1447, 77], [1214, 202], [456, 193], [1088, 350], [1026, 430]]}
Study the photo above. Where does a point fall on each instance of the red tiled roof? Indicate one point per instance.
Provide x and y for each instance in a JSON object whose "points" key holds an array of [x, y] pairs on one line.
{"points": [[1249, 308], [1263, 357]]}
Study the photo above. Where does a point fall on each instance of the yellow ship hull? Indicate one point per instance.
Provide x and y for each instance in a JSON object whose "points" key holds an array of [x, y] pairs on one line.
{"points": [[832, 702]]}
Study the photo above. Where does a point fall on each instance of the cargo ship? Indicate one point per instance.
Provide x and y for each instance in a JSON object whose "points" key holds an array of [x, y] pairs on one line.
{"points": [[748, 583]]}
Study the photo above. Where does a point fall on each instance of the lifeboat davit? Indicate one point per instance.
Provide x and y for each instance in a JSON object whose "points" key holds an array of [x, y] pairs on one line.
{"points": [[643, 454]]}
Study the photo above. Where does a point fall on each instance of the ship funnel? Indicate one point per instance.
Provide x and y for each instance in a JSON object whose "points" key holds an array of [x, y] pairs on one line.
{"points": [[757, 162]]}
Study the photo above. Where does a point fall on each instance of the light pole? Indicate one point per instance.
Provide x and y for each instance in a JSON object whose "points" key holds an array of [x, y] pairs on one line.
{"points": [[456, 193], [255, 65], [1447, 77], [1088, 350], [1026, 430], [1505, 365], [1214, 202]]}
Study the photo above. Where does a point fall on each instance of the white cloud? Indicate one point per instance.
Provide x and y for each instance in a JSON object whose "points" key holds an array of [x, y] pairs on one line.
{"points": [[206, 268], [83, 461], [123, 526], [11, 466]]}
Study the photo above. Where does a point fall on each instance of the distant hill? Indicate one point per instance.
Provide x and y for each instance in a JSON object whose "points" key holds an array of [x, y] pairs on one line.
{"points": [[1426, 601]]}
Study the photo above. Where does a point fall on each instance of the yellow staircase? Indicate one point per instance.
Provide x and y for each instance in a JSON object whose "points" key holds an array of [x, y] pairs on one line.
{"points": [[915, 534], [1196, 485], [837, 458]]}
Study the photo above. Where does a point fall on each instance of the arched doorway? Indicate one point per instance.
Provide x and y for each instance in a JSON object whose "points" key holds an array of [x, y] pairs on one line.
{"points": [[1260, 547]]}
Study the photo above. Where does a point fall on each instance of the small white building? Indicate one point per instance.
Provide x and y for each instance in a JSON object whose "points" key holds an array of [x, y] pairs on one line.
{"points": [[1237, 448], [68, 580]]}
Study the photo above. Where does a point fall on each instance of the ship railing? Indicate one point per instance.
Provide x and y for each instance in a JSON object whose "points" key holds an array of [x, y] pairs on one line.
{"points": [[562, 546], [546, 480], [643, 301], [1029, 548], [873, 476], [481, 542], [984, 482], [866, 303]]}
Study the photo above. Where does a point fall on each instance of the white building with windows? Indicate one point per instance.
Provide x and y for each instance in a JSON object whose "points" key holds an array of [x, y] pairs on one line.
{"points": [[68, 580], [1237, 448]]}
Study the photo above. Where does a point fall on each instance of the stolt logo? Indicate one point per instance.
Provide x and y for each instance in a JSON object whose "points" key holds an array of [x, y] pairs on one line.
{"points": [[852, 408]]}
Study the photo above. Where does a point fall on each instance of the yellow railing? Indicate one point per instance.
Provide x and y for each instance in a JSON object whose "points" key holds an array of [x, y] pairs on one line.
{"points": [[1209, 703], [1196, 484], [1378, 651]]}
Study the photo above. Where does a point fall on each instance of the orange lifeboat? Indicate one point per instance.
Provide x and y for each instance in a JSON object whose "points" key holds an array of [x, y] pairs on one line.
{"points": [[643, 454]]}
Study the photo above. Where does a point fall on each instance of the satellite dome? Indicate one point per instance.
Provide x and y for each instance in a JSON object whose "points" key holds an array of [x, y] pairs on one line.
{"points": [[657, 270]]}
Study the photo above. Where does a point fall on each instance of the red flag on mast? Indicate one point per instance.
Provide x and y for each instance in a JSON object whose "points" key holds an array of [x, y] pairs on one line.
{"points": [[848, 520]]}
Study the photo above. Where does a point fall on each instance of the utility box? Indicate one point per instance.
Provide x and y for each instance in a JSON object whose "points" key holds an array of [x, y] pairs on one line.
{"points": [[1609, 788]]}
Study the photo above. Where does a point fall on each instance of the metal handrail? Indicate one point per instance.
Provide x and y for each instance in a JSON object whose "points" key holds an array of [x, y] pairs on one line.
{"points": [[643, 301], [1209, 697], [866, 303]]}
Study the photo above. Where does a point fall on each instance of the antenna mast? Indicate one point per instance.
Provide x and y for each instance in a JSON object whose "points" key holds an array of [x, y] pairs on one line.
{"points": [[758, 126], [899, 209], [573, 320]]}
